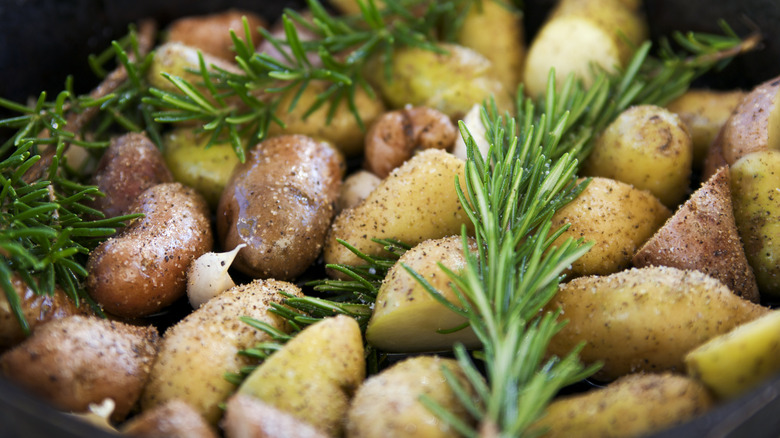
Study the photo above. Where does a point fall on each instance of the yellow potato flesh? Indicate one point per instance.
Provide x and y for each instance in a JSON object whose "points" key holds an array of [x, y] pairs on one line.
{"points": [[314, 375], [406, 317], [739, 360]]}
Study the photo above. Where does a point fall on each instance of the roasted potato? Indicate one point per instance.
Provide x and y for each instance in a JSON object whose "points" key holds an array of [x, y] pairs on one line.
{"points": [[755, 180], [36, 308], [130, 165], [196, 353], [740, 360], [174, 419], [205, 169], [635, 405], [415, 203], [406, 318], [141, 271], [702, 235], [181, 60], [79, 360], [704, 113], [356, 188], [614, 215], [451, 81], [280, 203], [645, 319], [314, 376], [343, 130], [388, 404], [211, 33], [648, 147], [754, 124], [249, 417], [608, 29], [503, 46]]}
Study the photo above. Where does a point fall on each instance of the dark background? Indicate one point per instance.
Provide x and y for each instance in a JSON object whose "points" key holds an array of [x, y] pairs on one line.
{"points": [[42, 41]]}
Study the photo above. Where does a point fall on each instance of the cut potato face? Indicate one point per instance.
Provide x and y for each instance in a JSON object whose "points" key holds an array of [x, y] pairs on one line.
{"points": [[406, 317], [314, 376], [739, 360]]}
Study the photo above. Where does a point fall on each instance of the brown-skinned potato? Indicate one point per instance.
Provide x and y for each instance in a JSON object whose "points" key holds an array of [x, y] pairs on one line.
{"points": [[755, 123], [142, 270], [280, 203], [250, 417], [211, 33], [79, 360], [174, 419], [37, 309], [702, 235], [130, 165]]}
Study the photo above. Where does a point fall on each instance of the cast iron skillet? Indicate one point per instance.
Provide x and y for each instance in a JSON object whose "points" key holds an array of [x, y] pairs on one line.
{"points": [[41, 41]]}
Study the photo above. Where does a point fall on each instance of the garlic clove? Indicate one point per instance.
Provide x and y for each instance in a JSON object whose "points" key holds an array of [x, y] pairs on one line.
{"points": [[208, 276]]}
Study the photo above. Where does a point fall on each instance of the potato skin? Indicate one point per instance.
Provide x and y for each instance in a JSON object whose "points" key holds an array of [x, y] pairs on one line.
{"points": [[449, 82], [705, 112], [250, 417], [211, 33], [415, 203], [37, 310], [755, 123], [702, 235], [388, 404], [504, 45], [280, 202], [143, 269], [196, 353], [617, 216], [79, 360], [648, 147], [130, 165], [645, 319], [174, 419], [635, 405], [755, 179]]}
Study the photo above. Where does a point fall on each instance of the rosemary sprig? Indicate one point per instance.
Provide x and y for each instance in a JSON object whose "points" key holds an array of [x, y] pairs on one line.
{"points": [[341, 44], [45, 230]]}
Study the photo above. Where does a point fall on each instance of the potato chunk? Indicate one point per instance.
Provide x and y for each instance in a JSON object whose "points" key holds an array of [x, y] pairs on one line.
{"points": [[635, 405], [79, 360], [406, 317], [645, 319]]}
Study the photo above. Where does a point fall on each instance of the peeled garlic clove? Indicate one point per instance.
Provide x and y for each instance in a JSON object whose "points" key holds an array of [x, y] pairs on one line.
{"points": [[473, 121], [208, 276]]}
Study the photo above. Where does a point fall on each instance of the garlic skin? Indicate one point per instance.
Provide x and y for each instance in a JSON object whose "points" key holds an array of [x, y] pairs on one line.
{"points": [[208, 276], [98, 414]]}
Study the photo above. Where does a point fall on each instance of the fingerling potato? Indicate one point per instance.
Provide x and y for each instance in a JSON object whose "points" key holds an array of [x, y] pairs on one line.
{"points": [[645, 319], [142, 270]]}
